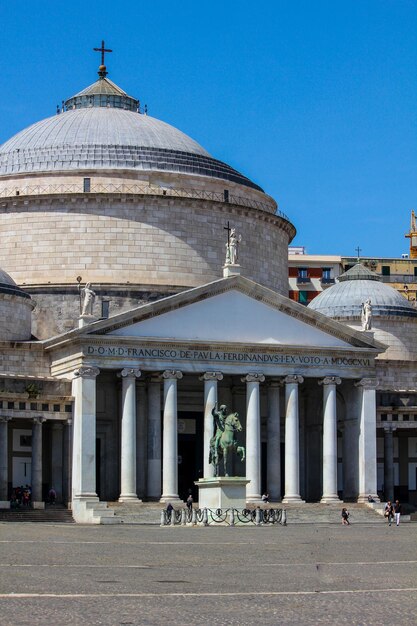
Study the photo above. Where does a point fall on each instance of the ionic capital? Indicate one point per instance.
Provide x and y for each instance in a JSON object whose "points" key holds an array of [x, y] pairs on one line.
{"points": [[253, 377], [211, 376], [4, 420], [367, 383], [39, 420], [293, 380], [389, 429], [130, 372], [172, 375], [68, 422], [87, 372], [330, 380]]}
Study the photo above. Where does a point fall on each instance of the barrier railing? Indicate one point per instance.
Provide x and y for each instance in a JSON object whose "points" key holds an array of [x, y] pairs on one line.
{"points": [[225, 517], [135, 189]]}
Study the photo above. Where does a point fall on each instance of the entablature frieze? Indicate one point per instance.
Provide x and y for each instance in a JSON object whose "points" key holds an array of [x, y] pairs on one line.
{"points": [[117, 353]]}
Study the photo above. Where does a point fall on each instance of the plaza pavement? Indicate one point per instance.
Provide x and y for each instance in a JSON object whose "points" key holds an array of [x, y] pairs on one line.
{"points": [[146, 575]]}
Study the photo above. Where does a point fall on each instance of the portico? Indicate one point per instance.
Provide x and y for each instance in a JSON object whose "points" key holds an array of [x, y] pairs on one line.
{"points": [[284, 369]]}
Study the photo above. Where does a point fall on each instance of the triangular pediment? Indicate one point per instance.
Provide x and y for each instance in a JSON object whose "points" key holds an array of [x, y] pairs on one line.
{"points": [[232, 310]]}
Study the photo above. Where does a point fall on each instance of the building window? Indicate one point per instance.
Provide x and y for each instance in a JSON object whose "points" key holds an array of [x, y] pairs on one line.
{"points": [[406, 418], [302, 276], [385, 270], [45, 407], [22, 406], [383, 417], [87, 185], [394, 417], [326, 277], [415, 271], [303, 297]]}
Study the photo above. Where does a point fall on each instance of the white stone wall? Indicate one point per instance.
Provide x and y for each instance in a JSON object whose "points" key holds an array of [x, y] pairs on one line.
{"points": [[15, 317], [24, 359], [399, 334], [148, 241]]}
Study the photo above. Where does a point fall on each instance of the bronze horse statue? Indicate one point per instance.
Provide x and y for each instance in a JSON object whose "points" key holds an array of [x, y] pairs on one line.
{"points": [[224, 444]]}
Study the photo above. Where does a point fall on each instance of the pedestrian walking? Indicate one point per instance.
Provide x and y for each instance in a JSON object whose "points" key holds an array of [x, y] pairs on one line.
{"points": [[345, 517], [397, 512], [389, 512], [190, 502]]}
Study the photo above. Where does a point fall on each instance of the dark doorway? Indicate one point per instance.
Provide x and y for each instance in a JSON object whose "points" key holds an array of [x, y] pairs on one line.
{"points": [[98, 467], [190, 453]]}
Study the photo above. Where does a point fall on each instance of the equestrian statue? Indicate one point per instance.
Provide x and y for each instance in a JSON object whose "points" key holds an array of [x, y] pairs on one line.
{"points": [[224, 441]]}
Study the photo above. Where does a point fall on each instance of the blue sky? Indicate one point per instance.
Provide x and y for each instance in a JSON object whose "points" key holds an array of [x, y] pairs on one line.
{"points": [[316, 101]]}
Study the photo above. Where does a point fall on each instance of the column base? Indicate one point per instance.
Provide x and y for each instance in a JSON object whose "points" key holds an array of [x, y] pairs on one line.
{"points": [[173, 499], [129, 497], [38, 505], [290, 499], [254, 499], [89, 510], [4, 504], [330, 499], [362, 497]]}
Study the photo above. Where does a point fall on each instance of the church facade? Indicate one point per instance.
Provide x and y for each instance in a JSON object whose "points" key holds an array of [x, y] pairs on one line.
{"points": [[107, 388]]}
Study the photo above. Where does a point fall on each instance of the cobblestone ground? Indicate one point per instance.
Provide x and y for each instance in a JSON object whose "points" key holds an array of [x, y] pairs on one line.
{"points": [[140, 575]]}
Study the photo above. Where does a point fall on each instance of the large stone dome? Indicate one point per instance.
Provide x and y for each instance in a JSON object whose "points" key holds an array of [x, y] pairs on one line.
{"points": [[103, 193], [91, 134]]}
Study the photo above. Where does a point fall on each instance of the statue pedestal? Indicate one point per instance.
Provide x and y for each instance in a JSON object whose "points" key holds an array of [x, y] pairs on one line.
{"points": [[83, 320], [231, 270], [222, 492]]}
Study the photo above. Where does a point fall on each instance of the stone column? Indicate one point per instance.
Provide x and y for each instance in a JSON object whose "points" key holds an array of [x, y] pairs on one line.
{"points": [[292, 440], [253, 437], [170, 437], [4, 463], [154, 439], [56, 459], [273, 446], [389, 463], [84, 434], [66, 462], [367, 440], [128, 435], [329, 439], [210, 399], [141, 439], [37, 501]]}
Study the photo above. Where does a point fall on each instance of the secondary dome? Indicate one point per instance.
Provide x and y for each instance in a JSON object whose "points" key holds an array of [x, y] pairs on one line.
{"points": [[345, 298], [103, 129], [15, 310]]}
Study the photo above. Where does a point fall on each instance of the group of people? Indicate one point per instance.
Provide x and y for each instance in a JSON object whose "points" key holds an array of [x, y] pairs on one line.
{"points": [[21, 496], [393, 511]]}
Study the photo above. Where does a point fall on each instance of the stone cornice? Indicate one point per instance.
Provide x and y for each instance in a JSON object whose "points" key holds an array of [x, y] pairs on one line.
{"points": [[241, 284]]}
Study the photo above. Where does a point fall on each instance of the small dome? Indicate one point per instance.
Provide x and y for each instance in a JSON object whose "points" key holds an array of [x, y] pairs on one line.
{"points": [[7, 285], [15, 310], [345, 298]]}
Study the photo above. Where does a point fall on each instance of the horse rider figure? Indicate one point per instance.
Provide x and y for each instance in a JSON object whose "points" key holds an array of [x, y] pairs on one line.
{"points": [[219, 417]]}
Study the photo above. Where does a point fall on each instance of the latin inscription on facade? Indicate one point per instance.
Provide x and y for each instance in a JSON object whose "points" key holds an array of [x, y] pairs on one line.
{"points": [[174, 354]]}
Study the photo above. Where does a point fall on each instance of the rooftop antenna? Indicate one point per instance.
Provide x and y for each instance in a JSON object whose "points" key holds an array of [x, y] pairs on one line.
{"points": [[102, 70]]}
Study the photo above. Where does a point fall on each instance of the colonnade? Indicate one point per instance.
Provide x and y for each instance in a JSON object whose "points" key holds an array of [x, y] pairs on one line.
{"points": [[83, 475]]}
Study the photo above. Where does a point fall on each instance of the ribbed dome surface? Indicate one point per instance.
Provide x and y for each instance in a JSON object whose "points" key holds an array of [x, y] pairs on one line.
{"points": [[107, 138], [345, 298], [7, 285]]}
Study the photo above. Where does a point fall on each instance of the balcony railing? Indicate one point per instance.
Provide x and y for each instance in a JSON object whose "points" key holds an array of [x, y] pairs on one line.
{"points": [[135, 189], [406, 279]]}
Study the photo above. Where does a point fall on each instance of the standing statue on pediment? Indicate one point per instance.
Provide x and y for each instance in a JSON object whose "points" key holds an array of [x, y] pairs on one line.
{"points": [[89, 299], [366, 317], [232, 247]]}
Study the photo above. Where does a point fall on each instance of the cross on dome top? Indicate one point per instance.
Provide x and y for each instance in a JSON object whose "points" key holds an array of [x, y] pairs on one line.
{"points": [[102, 69]]}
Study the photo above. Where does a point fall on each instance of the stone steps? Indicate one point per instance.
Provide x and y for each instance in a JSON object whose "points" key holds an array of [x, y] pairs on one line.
{"points": [[150, 512], [53, 515]]}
